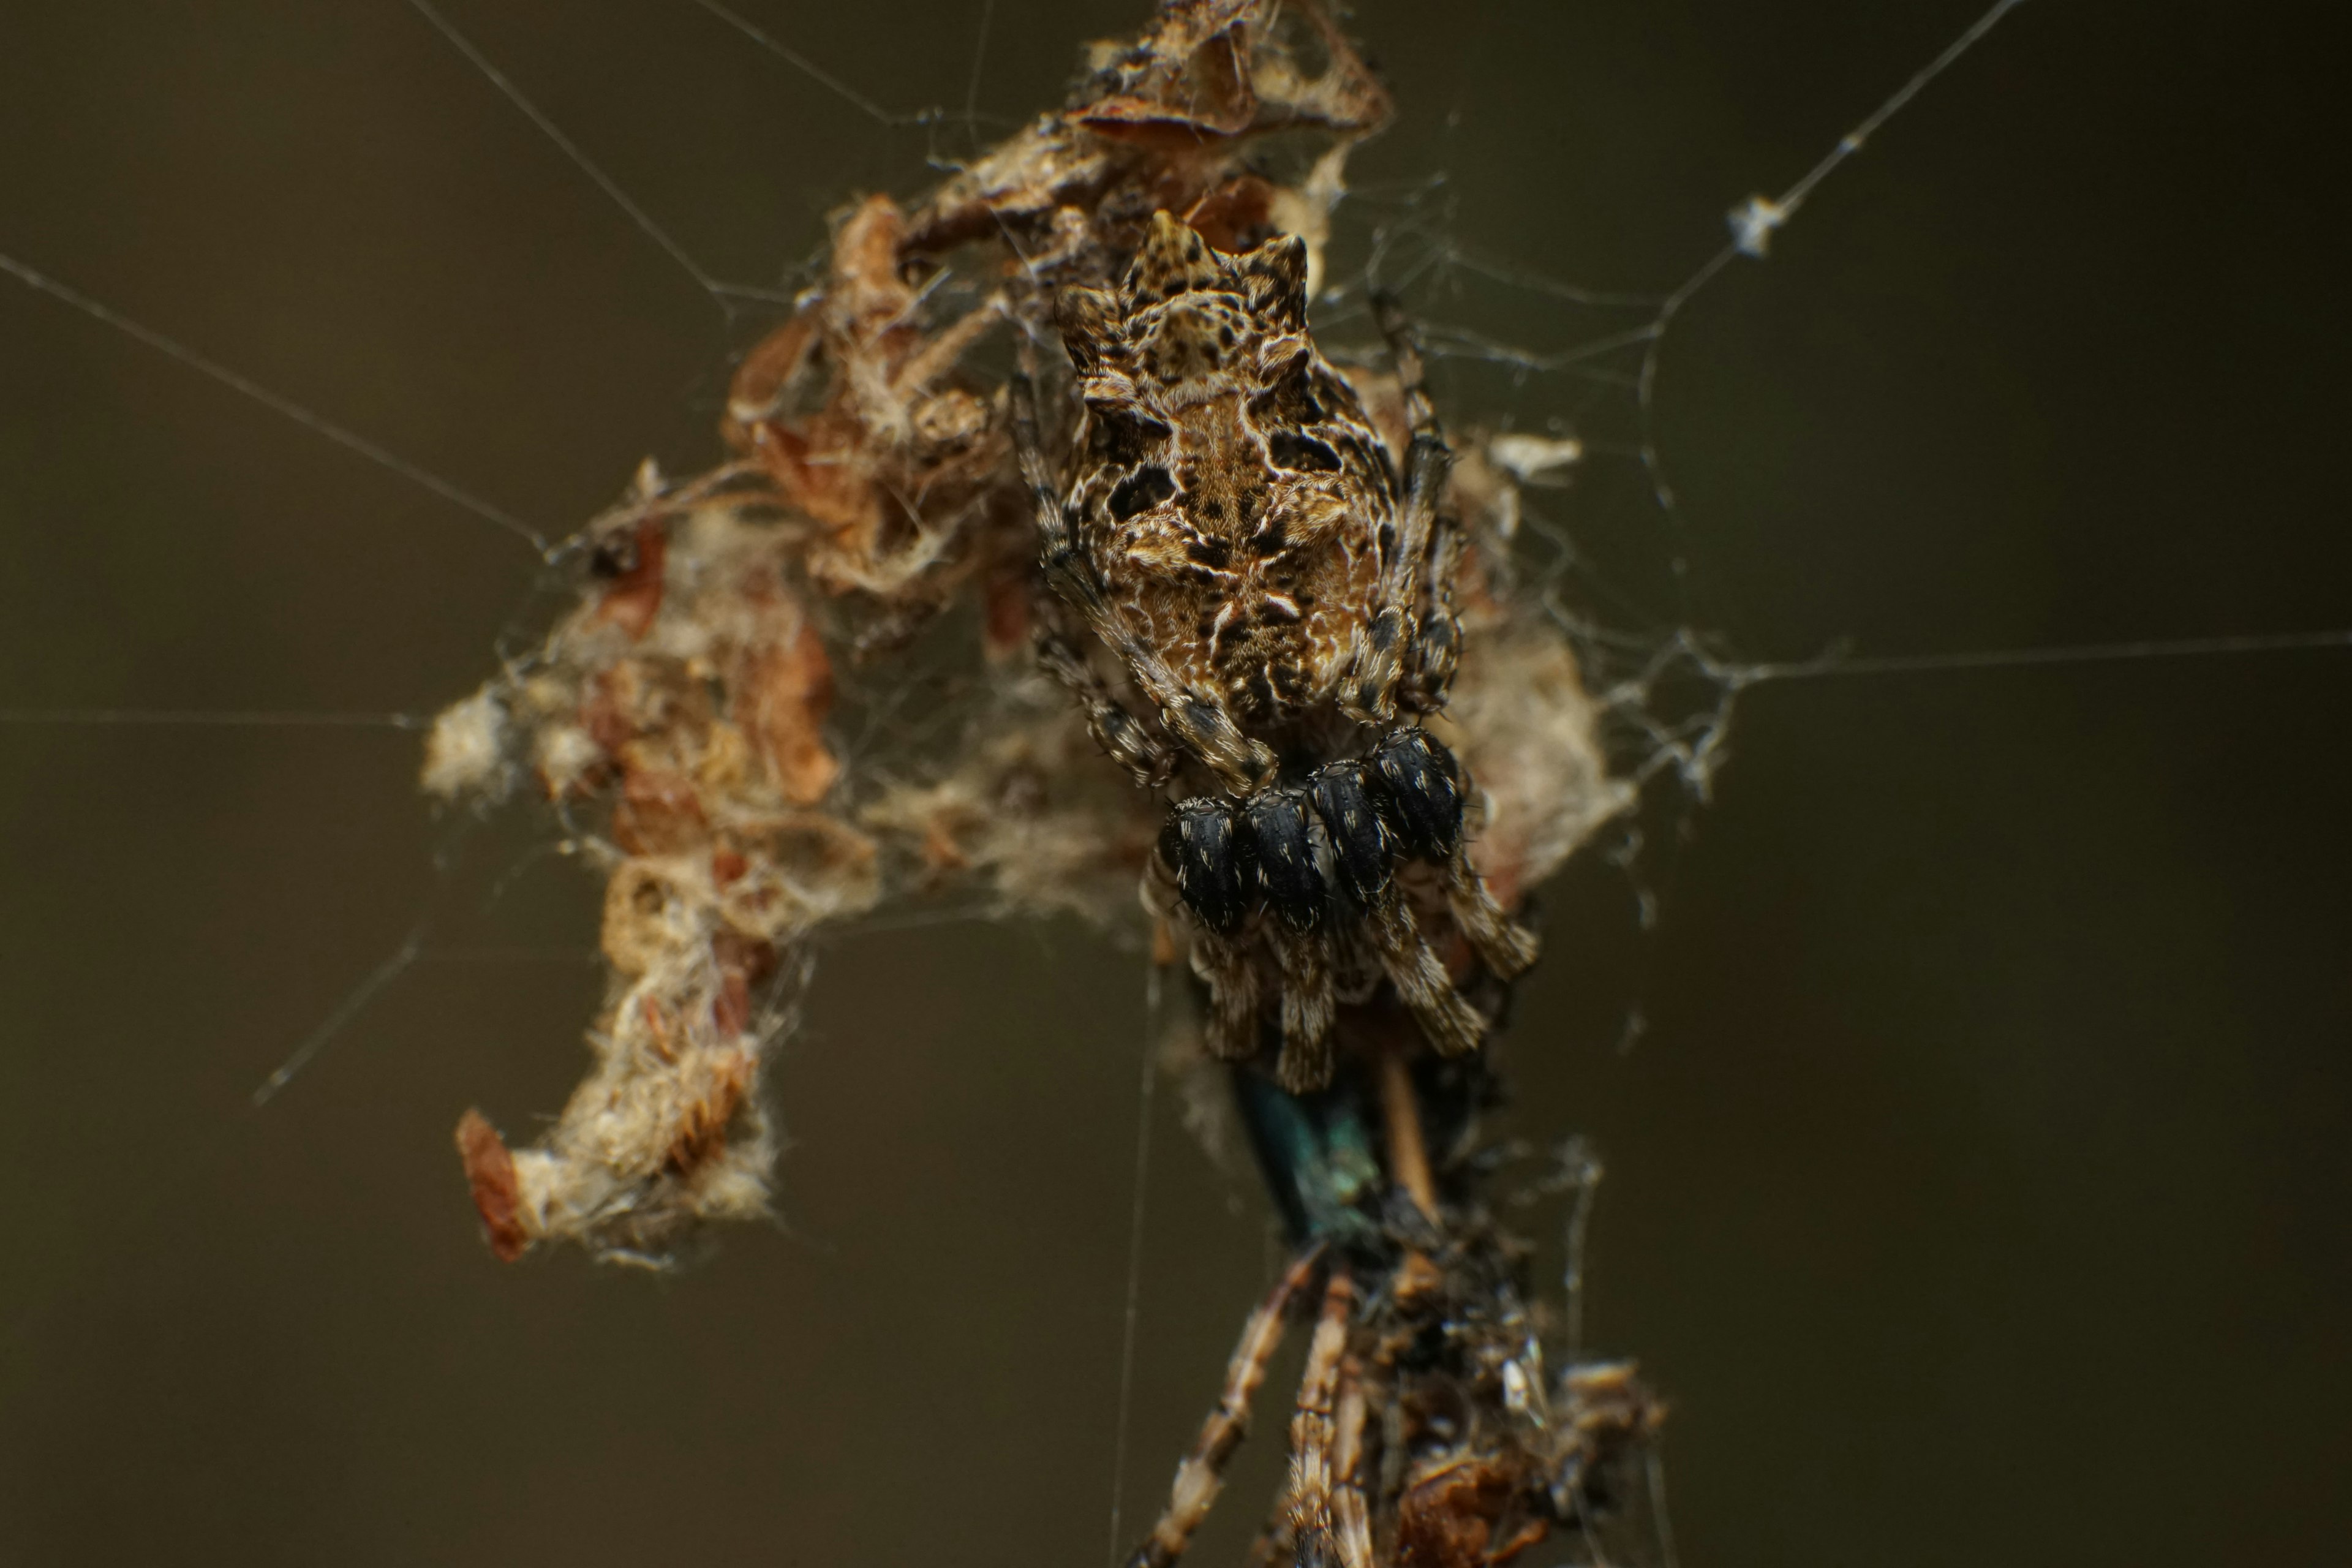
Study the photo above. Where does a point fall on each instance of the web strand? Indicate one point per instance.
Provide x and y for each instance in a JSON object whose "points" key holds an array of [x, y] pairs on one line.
{"points": [[349, 440], [720, 293], [1132, 1316], [979, 63], [209, 718], [810, 69], [2046, 657], [404, 958], [1754, 224]]}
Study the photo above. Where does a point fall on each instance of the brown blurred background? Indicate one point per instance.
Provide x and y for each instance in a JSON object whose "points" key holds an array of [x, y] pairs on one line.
{"points": [[1977, 1189]]}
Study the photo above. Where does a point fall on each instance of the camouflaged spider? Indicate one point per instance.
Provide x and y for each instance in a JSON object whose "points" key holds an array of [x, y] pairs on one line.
{"points": [[1236, 536]]}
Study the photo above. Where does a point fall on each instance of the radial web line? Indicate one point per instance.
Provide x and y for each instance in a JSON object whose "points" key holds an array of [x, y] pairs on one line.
{"points": [[809, 67], [978, 62], [40, 282], [718, 291], [404, 958], [2045, 657], [210, 717], [1144, 1095], [1754, 222]]}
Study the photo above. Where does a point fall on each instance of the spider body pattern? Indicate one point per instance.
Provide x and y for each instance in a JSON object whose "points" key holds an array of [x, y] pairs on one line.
{"points": [[1275, 588]]}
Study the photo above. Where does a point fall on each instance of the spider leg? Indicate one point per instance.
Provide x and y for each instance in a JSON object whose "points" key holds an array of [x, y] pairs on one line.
{"points": [[1309, 1006], [1369, 695], [1363, 848], [1428, 459], [1313, 1429], [1233, 996], [1503, 945], [1202, 1473], [1124, 738], [1452, 1026], [1273, 1544], [1425, 786], [1351, 1513], [1298, 896], [1437, 651], [1221, 960], [1199, 723]]}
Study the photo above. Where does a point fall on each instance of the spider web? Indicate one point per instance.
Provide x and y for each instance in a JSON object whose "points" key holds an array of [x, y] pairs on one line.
{"points": [[198, 677]]}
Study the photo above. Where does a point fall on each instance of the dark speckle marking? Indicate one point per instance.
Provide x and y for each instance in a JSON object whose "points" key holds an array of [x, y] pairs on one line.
{"points": [[1291, 450], [1141, 492], [1121, 437]]}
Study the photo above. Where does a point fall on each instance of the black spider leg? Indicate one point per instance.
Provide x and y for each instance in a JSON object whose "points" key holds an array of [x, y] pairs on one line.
{"points": [[1200, 724], [1279, 825], [1223, 859], [1348, 797], [1424, 788], [1411, 762], [1202, 863], [1414, 775]]}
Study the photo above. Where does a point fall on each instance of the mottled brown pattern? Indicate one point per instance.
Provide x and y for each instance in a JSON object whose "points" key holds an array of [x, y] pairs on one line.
{"points": [[1277, 589], [1234, 499]]}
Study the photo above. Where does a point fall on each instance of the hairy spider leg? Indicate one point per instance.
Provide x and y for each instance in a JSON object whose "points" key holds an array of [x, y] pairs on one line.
{"points": [[1426, 784], [1309, 1008], [1233, 996], [1506, 948], [1127, 739], [1437, 650], [1202, 1472], [1364, 851], [1428, 552], [1368, 694], [1313, 1428], [1351, 1513], [1223, 964], [1452, 1026], [1502, 944], [1279, 823]]}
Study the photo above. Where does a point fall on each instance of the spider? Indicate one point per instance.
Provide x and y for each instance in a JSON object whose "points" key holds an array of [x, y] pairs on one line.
{"points": [[1237, 535]]}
